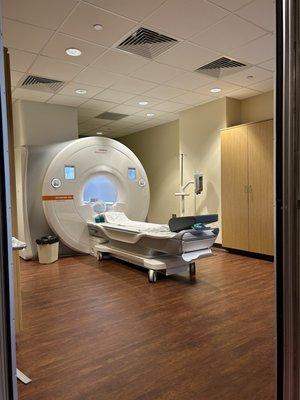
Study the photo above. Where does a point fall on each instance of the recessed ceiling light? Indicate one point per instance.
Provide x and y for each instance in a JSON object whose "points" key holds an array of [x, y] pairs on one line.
{"points": [[73, 52], [80, 91], [143, 103], [98, 27], [99, 133], [150, 115], [215, 90]]}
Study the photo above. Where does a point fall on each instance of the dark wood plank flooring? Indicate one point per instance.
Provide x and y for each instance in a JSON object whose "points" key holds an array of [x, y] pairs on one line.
{"points": [[105, 333]]}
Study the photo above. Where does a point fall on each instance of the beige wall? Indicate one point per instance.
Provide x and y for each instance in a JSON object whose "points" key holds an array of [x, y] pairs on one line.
{"points": [[257, 108], [38, 123], [197, 135], [199, 132], [158, 150]]}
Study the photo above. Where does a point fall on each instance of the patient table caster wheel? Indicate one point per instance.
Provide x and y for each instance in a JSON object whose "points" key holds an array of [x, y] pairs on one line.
{"points": [[99, 256], [152, 276], [192, 269]]}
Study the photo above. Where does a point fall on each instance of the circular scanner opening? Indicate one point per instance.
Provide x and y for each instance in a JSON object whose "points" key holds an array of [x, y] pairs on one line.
{"points": [[100, 189]]}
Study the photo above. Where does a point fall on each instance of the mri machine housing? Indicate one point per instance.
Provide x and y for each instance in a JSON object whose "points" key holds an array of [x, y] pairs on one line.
{"points": [[50, 186]]}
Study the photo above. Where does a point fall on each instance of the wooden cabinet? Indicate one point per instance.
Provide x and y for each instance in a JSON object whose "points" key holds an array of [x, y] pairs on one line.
{"points": [[247, 187]]}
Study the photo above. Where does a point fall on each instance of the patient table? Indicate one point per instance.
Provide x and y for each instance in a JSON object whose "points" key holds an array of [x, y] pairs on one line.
{"points": [[154, 246]]}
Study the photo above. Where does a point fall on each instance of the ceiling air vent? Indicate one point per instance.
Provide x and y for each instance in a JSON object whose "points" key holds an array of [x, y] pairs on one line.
{"points": [[147, 43], [111, 116], [222, 67], [42, 84]]}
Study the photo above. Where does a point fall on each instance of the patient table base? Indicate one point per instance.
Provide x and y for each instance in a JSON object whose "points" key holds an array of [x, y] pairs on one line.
{"points": [[165, 264]]}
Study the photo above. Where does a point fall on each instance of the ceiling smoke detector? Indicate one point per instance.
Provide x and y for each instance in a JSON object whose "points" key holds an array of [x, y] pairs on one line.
{"points": [[41, 84], [147, 43], [222, 67]]}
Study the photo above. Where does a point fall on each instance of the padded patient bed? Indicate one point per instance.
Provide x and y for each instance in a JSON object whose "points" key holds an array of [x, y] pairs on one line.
{"points": [[153, 246]]}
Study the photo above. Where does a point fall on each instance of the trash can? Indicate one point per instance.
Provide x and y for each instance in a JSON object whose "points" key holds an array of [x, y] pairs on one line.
{"points": [[47, 247]]}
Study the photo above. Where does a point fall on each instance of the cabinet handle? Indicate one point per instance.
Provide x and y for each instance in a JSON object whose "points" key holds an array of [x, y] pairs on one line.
{"points": [[250, 189], [246, 189]]}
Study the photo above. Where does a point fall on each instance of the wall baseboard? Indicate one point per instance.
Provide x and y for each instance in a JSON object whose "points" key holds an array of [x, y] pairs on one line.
{"points": [[265, 257]]}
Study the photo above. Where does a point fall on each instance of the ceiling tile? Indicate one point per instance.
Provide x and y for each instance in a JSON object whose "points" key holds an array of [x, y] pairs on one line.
{"points": [[59, 43], [257, 51], [82, 20], [192, 98], [226, 87], [230, 33], [93, 123], [62, 99], [114, 96], [98, 105], [70, 88], [15, 76], [135, 119], [165, 92], [87, 113], [132, 85], [155, 72], [32, 95], [190, 81], [242, 78], [156, 113], [264, 86], [243, 93], [187, 56], [20, 60], [270, 65], [120, 124], [120, 62], [231, 5], [23, 36], [45, 13], [170, 106], [136, 99], [185, 18], [135, 9], [125, 109], [56, 69], [96, 76], [260, 12]]}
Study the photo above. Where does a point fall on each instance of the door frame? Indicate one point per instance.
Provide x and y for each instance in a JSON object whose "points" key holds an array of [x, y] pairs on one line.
{"points": [[288, 198], [8, 379]]}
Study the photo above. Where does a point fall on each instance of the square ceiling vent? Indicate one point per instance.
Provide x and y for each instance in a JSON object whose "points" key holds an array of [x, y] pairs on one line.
{"points": [[147, 43], [222, 67], [41, 84], [111, 116]]}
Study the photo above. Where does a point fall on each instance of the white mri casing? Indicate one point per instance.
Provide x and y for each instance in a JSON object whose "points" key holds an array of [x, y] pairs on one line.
{"points": [[50, 203], [64, 208]]}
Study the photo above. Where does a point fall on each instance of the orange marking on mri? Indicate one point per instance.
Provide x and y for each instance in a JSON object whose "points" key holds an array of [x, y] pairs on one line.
{"points": [[59, 197]]}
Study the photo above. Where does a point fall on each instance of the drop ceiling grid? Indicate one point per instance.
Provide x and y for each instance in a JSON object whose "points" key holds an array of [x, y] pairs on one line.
{"points": [[138, 72]]}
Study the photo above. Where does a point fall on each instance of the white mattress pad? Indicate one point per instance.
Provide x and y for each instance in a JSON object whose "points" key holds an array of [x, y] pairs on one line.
{"points": [[119, 219]]}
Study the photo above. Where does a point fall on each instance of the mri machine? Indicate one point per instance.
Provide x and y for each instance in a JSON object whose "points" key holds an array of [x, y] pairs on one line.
{"points": [[94, 194]]}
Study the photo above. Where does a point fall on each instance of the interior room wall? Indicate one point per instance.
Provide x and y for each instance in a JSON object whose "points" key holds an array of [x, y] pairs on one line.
{"points": [[199, 136], [257, 108], [38, 123], [233, 111], [158, 150]]}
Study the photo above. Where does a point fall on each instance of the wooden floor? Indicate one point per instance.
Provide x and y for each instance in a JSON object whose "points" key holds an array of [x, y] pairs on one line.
{"points": [[107, 334]]}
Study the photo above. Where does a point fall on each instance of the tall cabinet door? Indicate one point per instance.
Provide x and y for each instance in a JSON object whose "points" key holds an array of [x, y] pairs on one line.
{"points": [[234, 188], [261, 190]]}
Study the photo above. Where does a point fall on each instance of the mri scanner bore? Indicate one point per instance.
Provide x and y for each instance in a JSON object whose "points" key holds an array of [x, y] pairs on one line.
{"points": [[79, 181]]}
